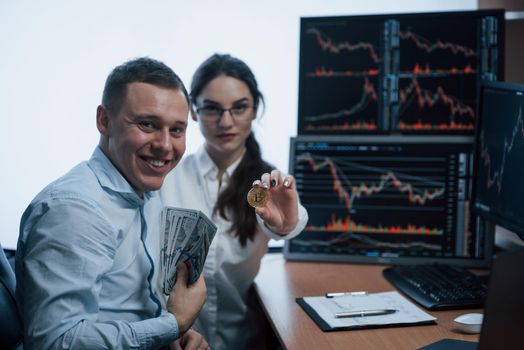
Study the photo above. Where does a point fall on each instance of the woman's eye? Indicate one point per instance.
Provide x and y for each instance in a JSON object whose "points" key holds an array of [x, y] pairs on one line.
{"points": [[211, 110], [239, 109]]}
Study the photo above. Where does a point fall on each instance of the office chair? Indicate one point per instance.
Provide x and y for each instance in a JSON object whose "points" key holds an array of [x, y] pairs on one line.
{"points": [[10, 322]]}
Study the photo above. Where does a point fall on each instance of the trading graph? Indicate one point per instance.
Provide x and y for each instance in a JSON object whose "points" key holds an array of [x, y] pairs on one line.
{"points": [[359, 115], [438, 74], [350, 190], [340, 83], [382, 196], [500, 152], [429, 47], [421, 107], [501, 156], [409, 73], [327, 44]]}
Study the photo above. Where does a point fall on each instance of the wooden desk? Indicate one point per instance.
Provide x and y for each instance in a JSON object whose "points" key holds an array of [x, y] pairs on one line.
{"points": [[279, 283]]}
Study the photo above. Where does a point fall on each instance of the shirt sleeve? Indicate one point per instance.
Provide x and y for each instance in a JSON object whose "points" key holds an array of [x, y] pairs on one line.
{"points": [[66, 247], [301, 224]]}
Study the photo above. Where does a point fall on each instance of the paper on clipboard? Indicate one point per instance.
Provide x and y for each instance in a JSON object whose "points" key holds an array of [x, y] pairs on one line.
{"points": [[323, 311]]}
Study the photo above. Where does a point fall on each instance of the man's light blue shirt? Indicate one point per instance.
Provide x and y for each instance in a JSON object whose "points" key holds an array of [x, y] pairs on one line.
{"points": [[86, 256]]}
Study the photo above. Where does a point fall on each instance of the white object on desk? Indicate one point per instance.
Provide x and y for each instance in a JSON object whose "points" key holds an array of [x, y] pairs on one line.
{"points": [[469, 323]]}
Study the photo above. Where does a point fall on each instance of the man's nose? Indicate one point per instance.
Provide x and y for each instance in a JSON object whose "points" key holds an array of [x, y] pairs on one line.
{"points": [[162, 139]]}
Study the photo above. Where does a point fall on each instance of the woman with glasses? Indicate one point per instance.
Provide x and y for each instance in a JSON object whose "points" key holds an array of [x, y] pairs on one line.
{"points": [[216, 180]]}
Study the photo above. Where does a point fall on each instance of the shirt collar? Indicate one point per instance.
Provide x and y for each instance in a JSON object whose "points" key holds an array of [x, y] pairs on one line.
{"points": [[207, 167], [110, 177]]}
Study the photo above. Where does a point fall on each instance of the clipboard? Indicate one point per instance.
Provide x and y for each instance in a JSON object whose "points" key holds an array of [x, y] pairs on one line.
{"points": [[322, 310]]}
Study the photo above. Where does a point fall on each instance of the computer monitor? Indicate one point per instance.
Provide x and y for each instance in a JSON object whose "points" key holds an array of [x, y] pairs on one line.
{"points": [[499, 165], [386, 199], [409, 73]]}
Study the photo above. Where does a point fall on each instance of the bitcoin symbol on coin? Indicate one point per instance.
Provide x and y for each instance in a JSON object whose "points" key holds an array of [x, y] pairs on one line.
{"points": [[257, 197]]}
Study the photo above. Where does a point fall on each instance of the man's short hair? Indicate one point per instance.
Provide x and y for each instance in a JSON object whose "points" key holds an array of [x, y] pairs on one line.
{"points": [[143, 70]]}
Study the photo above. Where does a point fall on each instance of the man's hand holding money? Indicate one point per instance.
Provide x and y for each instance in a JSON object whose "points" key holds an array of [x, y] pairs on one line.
{"points": [[185, 301]]}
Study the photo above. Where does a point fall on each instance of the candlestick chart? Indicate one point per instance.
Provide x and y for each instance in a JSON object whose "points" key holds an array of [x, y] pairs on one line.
{"points": [[339, 83], [500, 151], [438, 75], [396, 73], [381, 196]]}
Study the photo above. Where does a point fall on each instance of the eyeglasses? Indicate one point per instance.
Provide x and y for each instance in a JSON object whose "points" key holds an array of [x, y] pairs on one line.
{"points": [[214, 113]]}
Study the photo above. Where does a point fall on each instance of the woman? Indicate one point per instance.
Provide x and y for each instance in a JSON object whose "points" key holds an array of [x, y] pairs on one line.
{"points": [[215, 180]]}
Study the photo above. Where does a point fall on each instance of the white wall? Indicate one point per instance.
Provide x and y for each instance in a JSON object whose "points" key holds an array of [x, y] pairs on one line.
{"points": [[55, 56]]}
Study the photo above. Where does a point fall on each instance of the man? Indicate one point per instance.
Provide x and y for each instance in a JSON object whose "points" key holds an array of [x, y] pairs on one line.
{"points": [[89, 245]]}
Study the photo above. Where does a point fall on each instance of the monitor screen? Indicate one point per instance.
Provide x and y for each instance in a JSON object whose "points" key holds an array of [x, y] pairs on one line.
{"points": [[499, 166], [386, 199], [409, 73]]}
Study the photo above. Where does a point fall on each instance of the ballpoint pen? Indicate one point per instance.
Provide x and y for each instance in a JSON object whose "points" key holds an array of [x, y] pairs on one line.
{"points": [[331, 295], [364, 313]]}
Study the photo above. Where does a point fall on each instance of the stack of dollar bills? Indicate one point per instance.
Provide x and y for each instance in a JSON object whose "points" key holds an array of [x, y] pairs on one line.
{"points": [[187, 235]]}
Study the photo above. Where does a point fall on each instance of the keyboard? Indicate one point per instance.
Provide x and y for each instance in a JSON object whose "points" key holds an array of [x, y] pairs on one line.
{"points": [[438, 286]]}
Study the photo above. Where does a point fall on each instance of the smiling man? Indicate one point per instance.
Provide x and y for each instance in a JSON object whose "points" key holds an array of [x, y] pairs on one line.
{"points": [[88, 248]]}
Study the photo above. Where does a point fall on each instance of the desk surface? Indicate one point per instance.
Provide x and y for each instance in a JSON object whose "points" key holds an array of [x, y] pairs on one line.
{"points": [[279, 282]]}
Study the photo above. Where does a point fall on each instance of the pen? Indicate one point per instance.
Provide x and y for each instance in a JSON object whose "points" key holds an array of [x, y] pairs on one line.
{"points": [[331, 295], [364, 313]]}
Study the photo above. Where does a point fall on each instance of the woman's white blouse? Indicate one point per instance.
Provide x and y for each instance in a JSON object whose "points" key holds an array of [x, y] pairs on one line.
{"points": [[229, 271]]}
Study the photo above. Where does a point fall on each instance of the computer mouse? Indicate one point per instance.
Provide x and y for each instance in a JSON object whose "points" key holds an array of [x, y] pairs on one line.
{"points": [[468, 323]]}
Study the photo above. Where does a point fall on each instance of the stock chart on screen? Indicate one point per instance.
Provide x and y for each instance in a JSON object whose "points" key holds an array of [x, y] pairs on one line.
{"points": [[500, 155], [409, 73], [384, 198]]}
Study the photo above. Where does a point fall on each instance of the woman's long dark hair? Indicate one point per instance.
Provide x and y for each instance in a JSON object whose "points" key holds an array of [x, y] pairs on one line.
{"points": [[231, 203]]}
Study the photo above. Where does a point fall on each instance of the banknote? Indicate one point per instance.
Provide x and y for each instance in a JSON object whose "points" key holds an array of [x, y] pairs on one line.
{"points": [[195, 251], [187, 236]]}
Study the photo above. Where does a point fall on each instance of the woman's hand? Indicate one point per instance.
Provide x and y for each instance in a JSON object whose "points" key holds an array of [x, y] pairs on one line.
{"points": [[280, 214]]}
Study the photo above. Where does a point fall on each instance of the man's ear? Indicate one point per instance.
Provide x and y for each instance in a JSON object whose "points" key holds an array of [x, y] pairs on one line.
{"points": [[102, 120]]}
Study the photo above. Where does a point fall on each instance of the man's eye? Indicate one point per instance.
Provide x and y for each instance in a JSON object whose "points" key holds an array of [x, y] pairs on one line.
{"points": [[146, 125], [177, 131]]}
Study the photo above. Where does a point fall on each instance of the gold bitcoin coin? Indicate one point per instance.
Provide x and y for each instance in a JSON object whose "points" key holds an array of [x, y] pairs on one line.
{"points": [[257, 197]]}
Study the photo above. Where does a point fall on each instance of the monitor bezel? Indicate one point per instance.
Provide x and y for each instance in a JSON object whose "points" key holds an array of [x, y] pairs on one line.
{"points": [[488, 243]]}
